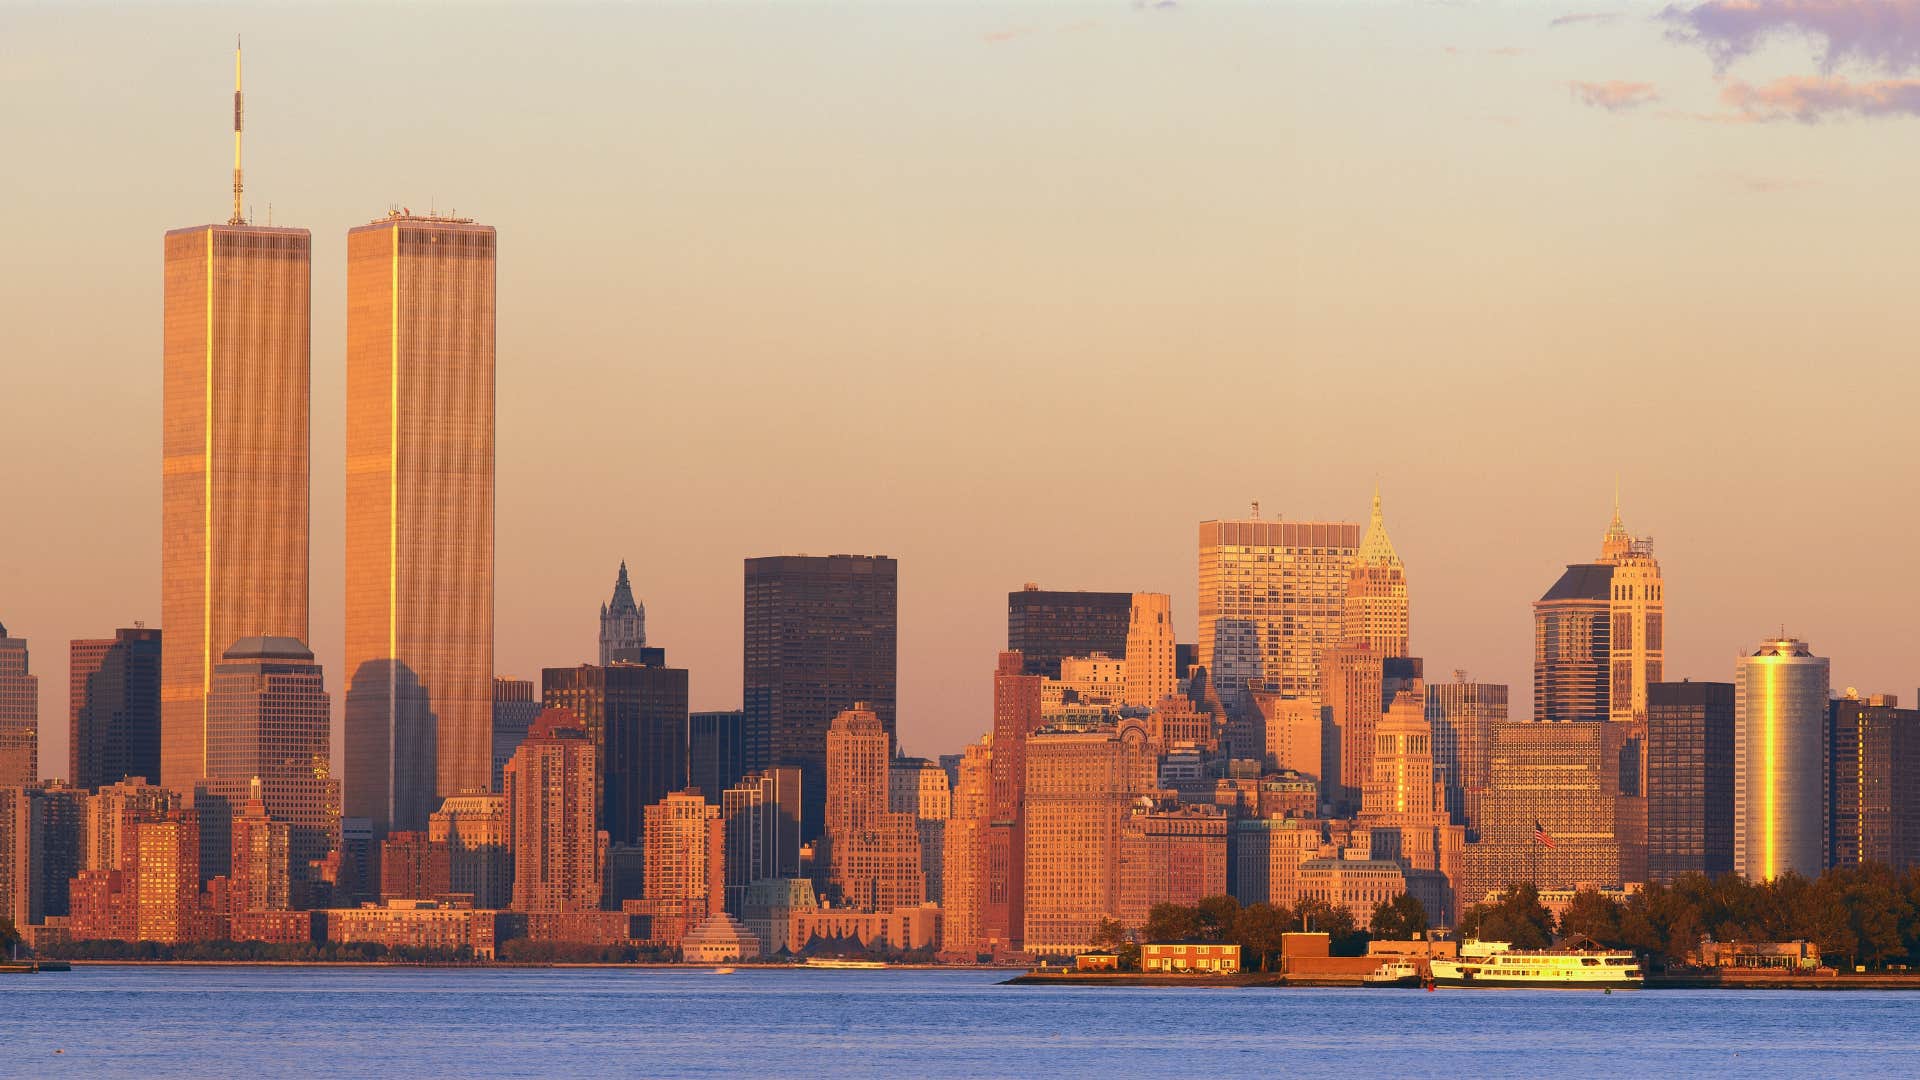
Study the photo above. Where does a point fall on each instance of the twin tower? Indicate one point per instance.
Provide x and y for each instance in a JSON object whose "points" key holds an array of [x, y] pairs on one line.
{"points": [[420, 472]]}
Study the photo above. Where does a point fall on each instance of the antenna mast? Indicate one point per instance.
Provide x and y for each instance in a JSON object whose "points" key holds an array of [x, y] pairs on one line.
{"points": [[238, 218]]}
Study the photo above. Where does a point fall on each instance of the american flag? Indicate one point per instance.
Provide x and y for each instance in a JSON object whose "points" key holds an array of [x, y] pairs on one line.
{"points": [[1540, 836]]}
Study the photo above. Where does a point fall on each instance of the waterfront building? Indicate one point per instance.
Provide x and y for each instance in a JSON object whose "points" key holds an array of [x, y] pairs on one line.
{"points": [[419, 516], [719, 940], [623, 621], [19, 715], [963, 888], [414, 867], [1357, 885], [104, 906], [716, 751], [918, 788], [473, 829], [1179, 957], [167, 878], [1780, 733], [903, 929], [419, 924], [115, 709], [269, 725], [1017, 714], [634, 711], [1462, 715], [1690, 765], [768, 909], [685, 880], [873, 852], [820, 635], [558, 851], [516, 703], [1079, 786], [1562, 779], [1149, 654], [21, 896], [1875, 782], [235, 469], [1375, 611], [762, 817], [1272, 600], [1046, 625], [1170, 854]]}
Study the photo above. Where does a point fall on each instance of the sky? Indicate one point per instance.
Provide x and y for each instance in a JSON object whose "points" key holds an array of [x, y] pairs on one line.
{"points": [[1023, 294]]}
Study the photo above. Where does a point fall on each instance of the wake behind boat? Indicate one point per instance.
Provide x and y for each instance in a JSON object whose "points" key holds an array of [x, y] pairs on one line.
{"points": [[845, 965], [1497, 964]]}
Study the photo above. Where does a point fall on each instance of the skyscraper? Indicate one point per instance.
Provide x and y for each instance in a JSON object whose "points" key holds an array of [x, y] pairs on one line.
{"points": [[1599, 634], [1375, 611], [684, 844], [1149, 653], [1875, 782], [821, 634], [874, 853], [1689, 779], [963, 863], [1046, 625], [716, 751], [116, 709], [474, 830], [1272, 599], [1559, 778], [623, 621], [19, 715], [1079, 786], [516, 703], [1353, 693], [918, 788], [260, 876], [762, 815], [1462, 715], [234, 455], [635, 714], [419, 567], [269, 722], [1016, 716], [558, 854], [1780, 796]]}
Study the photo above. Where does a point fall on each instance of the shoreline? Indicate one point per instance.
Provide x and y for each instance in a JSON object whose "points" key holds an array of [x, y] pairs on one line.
{"points": [[509, 965], [1273, 980]]}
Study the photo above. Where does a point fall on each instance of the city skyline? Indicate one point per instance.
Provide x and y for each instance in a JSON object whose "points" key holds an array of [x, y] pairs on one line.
{"points": [[1688, 482]]}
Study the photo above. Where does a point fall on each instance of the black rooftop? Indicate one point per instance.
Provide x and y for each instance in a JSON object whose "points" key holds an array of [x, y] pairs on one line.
{"points": [[1583, 581]]}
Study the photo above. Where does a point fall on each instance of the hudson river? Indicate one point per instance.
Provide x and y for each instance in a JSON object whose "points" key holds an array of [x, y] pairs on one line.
{"points": [[434, 1022]]}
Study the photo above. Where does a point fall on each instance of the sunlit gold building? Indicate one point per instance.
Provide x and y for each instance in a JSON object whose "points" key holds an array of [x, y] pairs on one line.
{"points": [[1272, 599], [1376, 604], [234, 462], [419, 597]]}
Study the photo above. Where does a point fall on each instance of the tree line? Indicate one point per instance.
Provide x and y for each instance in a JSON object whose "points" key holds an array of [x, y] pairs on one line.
{"points": [[1858, 916], [1257, 928]]}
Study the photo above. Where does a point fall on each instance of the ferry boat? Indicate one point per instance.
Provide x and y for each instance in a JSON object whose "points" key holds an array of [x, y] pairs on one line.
{"points": [[1497, 964], [845, 965], [1393, 973]]}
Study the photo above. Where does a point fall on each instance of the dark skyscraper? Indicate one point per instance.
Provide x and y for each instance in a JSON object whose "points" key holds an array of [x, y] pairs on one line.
{"points": [[1876, 782], [762, 815], [635, 714], [1571, 654], [716, 751], [516, 704], [1044, 625], [20, 715], [821, 635], [116, 714], [1689, 779], [623, 622]]}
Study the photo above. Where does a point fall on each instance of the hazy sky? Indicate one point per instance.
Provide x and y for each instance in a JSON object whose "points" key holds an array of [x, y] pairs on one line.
{"points": [[1022, 294]]}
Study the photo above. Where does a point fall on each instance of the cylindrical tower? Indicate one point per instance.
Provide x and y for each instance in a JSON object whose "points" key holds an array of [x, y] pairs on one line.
{"points": [[1780, 761]]}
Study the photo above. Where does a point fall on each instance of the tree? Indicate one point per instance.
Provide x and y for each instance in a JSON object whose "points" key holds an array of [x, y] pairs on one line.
{"points": [[1594, 915], [1400, 918], [1217, 915], [9, 935], [1517, 918], [1343, 938], [1172, 922], [1258, 931], [1111, 934]]}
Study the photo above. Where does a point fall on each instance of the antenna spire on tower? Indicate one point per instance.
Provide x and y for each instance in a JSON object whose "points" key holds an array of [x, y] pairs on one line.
{"points": [[238, 218]]}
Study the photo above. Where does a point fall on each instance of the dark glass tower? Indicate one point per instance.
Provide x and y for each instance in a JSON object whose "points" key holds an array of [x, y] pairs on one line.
{"points": [[635, 714], [1044, 625], [1689, 779], [821, 635], [116, 724]]}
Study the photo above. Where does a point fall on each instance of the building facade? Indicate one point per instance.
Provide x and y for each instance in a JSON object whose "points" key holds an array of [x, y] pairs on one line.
{"points": [[874, 852], [821, 633], [558, 852], [116, 709], [918, 788], [269, 721], [1462, 715], [1079, 788], [473, 828], [716, 751], [235, 467], [963, 895], [1017, 714], [516, 702], [1558, 778], [1376, 611], [1046, 625], [635, 714], [19, 714], [1170, 854], [1874, 782], [419, 518], [1781, 761], [1272, 599], [762, 816], [1149, 654], [1690, 764]]}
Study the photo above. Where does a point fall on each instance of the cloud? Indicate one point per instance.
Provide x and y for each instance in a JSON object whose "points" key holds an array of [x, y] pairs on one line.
{"points": [[1810, 100], [1592, 18], [1614, 96], [1882, 34]]}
